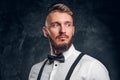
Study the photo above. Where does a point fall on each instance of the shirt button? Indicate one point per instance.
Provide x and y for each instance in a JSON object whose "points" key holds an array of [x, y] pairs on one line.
{"points": [[55, 64]]}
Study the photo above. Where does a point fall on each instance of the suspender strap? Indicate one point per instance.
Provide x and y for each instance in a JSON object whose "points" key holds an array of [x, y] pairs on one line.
{"points": [[73, 66], [41, 70], [69, 72]]}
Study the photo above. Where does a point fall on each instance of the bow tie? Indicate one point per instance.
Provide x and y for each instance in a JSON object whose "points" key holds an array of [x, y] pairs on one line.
{"points": [[59, 58]]}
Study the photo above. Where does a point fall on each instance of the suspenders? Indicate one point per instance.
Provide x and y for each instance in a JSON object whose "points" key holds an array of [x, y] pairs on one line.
{"points": [[41, 70], [73, 66], [69, 72]]}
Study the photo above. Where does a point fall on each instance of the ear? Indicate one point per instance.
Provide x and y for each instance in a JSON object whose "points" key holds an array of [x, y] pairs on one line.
{"points": [[73, 30], [45, 31]]}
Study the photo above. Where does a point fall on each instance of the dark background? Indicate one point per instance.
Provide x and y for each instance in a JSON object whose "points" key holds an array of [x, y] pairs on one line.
{"points": [[22, 43]]}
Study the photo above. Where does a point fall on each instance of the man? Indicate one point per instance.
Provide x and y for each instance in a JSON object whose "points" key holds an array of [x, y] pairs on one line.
{"points": [[64, 62]]}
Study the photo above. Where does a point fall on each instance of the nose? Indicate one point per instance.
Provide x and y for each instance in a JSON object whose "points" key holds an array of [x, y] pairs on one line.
{"points": [[62, 29]]}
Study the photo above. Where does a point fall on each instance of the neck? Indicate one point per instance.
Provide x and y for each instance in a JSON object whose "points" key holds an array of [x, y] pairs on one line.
{"points": [[57, 52], [60, 49]]}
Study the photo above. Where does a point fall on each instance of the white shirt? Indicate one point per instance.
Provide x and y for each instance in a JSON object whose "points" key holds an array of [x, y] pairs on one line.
{"points": [[88, 68], [56, 63]]}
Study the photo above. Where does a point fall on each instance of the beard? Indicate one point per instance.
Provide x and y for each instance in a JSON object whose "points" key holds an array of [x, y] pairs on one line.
{"points": [[60, 47]]}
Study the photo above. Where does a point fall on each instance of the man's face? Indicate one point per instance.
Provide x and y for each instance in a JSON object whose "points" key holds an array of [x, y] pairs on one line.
{"points": [[59, 29]]}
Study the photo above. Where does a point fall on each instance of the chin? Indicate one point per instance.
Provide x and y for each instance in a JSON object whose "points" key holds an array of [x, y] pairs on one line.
{"points": [[62, 46], [62, 42]]}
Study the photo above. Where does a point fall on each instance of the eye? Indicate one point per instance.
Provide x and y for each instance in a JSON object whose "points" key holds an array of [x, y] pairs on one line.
{"points": [[68, 24], [55, 25]]}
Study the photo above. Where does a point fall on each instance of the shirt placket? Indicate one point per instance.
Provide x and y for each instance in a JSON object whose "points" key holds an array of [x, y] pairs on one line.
{"points": [[54, 70]]}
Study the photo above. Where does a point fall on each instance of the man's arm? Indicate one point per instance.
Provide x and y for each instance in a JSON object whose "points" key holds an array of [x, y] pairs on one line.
{"points": [[98, 71]]}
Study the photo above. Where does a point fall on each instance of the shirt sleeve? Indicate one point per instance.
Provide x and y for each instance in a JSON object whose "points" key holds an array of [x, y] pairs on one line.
{"points": [[34, 71], [98, 71]]}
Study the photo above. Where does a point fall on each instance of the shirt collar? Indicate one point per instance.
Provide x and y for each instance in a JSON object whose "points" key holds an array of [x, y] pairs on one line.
{"points": [[69, 52]]}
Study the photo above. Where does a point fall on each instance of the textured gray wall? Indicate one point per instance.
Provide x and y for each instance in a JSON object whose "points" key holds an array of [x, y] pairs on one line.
{"points": [[22, 43]]}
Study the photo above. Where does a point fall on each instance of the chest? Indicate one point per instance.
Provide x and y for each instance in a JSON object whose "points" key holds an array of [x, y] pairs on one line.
{"points": [[59, 71]]}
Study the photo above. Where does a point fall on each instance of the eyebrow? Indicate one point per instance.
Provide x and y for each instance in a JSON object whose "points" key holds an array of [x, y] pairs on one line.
{"points": [[54, 23], [68, 22], [59, 23]]}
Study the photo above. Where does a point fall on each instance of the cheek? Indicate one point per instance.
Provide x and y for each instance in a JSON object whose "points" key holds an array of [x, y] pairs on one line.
{"points": [[53, 33], [70, 32]]}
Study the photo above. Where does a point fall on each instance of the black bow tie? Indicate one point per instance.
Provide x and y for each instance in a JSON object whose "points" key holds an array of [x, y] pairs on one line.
{"points": [[59, 58]]}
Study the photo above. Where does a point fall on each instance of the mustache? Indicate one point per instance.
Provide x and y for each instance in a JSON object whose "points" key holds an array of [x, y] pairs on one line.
{"points": [[63, 35]]}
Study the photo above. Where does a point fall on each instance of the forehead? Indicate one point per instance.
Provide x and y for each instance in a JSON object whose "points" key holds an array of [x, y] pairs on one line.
{"points": [[59, 16]]}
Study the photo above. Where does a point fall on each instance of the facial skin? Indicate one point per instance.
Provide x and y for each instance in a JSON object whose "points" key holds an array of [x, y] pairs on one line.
{"points": [[59, 30]]}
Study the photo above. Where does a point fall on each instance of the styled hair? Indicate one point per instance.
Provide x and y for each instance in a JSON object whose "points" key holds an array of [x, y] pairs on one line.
{"points": [[61, 8]]}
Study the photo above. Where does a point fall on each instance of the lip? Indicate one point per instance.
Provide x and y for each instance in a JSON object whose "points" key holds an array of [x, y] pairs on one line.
{"points": [[62, 37]]}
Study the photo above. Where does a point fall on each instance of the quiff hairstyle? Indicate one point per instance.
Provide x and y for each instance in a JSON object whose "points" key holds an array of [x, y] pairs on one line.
{"points": [[61, 8]]}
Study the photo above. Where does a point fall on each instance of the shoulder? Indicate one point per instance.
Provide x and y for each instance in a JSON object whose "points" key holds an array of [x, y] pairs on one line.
{"points": [[37, 66], [88, 62], [94, 68], [89, 59], [92, 62], [35, 70]]}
